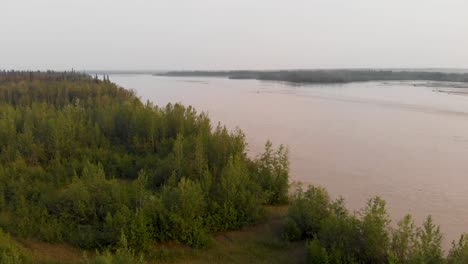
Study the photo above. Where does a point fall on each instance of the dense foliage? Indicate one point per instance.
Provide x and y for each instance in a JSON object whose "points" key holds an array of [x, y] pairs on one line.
{"points": [[84, 161], [337, 236], [11, 252], [329, 76]]}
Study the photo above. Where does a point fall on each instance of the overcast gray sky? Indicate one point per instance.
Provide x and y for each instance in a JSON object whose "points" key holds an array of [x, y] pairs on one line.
{"points": [[236, 34]]}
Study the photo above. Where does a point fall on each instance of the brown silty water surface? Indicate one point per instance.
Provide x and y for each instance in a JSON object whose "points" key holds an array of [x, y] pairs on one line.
{"points": [[402, 141]]}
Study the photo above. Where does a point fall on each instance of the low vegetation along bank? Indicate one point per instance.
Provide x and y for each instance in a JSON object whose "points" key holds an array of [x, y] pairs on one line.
{"points": [[85, 166], [328, 76]]}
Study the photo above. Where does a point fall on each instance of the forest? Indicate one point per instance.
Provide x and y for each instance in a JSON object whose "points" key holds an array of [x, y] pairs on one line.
{"points": [[93, 166], [86, 163], [328, 76]]}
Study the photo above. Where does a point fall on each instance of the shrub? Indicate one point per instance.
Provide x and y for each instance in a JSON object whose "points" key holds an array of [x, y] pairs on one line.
{"points": [[10, 252], [316, 254], [307, 211], [365, 237], [273, 173], [458, 254]]}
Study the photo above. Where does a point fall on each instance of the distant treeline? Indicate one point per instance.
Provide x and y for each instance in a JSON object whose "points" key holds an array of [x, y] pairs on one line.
{"points": [[329, 76], [11, 76]]}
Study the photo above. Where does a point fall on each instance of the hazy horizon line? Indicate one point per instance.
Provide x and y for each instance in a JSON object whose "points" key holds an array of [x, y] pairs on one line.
{"points": [[431, 69], [123, 70]]}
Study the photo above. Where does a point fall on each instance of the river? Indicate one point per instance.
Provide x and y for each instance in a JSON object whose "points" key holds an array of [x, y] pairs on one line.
{"points": [[404, 142]]}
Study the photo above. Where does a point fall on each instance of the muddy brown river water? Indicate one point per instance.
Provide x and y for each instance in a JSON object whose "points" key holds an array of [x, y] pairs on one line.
{"points": [[404, 142]]}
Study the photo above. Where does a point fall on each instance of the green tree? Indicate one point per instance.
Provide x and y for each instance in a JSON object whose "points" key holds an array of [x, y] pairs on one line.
{"points": [[307, 212], [404, 241], [429, 244], [316, 254], [458, 254], [273, 173], [186, 205], [375, 226]]}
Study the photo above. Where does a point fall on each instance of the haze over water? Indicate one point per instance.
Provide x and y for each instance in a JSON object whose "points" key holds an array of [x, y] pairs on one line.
{"points": [[405, 143]]}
